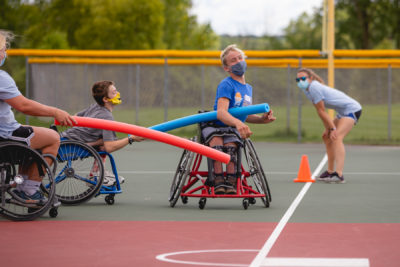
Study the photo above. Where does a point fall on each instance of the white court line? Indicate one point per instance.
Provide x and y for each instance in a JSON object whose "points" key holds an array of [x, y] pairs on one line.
{"points": [[269, 262], [317, 262], [278, 229]]}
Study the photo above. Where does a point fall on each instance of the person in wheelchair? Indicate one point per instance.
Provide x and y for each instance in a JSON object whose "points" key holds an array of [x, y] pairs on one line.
{"points": [[106, 96], [39, 138], [232, 91]]}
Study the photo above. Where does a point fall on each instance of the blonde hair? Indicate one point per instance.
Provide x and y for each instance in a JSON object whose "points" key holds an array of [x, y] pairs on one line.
{"points": [[226, 51], [5, 38], [311, 74]]}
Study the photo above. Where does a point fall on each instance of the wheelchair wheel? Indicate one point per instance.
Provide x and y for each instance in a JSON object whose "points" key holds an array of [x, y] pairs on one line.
{"points": [[16, 157], [79, 174], [257, 172], [182, 171]]}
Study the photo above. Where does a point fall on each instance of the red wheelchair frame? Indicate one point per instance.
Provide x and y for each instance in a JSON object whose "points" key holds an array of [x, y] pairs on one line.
{"points": [[189, 181]]}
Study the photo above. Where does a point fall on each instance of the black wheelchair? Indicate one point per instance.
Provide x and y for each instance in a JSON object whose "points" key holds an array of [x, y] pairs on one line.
{"points": [[14, 158], [188, 181]]}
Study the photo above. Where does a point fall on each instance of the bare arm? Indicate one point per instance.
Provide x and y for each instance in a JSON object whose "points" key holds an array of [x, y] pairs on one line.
{"points": [[224, 116], [33, 108], [264, 118], [326, 120], [111, 146]]}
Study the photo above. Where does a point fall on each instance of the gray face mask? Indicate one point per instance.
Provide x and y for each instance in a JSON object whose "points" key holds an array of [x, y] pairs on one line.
{"points": [[239, 68]]}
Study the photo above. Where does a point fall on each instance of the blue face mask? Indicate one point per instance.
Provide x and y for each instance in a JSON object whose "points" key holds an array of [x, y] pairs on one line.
{"points": [[4, 59], [239, 68], [303, 85]]}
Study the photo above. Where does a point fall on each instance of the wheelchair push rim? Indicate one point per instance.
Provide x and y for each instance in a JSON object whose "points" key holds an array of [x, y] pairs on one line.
{"points": [[181, 174], [80, 172], [256, 172], [15, 157]]}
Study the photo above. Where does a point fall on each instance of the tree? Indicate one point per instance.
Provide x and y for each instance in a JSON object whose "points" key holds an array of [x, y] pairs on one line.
{"points": [[367, 24], [181, 30], [305, 32]]}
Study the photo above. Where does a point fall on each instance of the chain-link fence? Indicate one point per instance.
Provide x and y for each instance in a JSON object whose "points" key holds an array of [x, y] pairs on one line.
{"points": [[155, 93]]}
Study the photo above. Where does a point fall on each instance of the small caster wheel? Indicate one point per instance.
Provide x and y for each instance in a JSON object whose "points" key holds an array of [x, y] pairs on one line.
{"points": [[109, 200], [184, 200], [53, 212], [252, 201], [202, 203], [245, 203]]}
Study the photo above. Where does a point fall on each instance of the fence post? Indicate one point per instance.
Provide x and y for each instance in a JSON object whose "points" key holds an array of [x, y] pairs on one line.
{"points": [[299, 111], [137, 96], [166, 89], [202, 87], [27, 85], [288, 101], [389, 102], [130, 85]]}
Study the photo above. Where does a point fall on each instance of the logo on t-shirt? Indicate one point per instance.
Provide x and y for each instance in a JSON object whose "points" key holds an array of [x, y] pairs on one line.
{"points": [[247, 100], [238, 99]]}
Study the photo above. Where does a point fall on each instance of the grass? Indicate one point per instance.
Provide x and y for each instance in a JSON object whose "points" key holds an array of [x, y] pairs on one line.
{"points": [[372, 128]]}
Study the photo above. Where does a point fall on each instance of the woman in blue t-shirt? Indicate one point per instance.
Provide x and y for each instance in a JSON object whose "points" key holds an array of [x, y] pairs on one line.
{"points": [[348, 113], [233, 91], [41, 138]]}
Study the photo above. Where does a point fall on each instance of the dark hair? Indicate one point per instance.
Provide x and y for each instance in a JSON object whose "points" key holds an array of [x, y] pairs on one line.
{"points": [[100, 90], [311, 74]]}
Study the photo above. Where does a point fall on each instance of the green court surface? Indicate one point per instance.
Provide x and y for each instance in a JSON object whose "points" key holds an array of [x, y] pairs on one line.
{"points": [[371, 194]]}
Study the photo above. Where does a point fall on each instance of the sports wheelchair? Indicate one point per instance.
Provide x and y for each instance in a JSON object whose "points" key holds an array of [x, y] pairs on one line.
{"points": [[80, 173], [189, 181], [16, 157]]}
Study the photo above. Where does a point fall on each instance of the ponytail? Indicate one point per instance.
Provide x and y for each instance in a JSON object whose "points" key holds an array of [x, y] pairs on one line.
{"points": [[312, 75]]}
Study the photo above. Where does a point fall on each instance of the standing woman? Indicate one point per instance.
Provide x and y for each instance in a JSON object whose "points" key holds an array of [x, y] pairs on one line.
{"points": [[348, 113]]}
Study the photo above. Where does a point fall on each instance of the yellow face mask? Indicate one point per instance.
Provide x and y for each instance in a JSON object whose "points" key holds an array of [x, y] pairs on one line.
{"points": [[116, 100]]}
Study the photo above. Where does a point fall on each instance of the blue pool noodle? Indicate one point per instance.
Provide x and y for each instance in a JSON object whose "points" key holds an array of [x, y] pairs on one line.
{"points": [[208, 116]]}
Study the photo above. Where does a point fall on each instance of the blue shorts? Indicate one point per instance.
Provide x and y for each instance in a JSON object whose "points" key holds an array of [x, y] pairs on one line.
{"points": [[354, 115]]}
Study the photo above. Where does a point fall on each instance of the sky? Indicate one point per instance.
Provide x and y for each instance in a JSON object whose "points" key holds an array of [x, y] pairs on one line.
{"points": [[251, 17]]}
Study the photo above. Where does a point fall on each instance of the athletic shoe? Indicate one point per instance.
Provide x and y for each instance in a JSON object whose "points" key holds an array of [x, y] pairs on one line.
{"points": [[335, 179], [36, 198], [109, 179], [219, 185], [230, 185], [324, 176]]}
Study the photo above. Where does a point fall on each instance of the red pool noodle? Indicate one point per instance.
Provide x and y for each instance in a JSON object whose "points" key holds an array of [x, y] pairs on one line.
{"points": [[151, 134]]}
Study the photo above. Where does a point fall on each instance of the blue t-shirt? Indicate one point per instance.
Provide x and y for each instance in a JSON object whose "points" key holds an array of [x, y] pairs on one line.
{"points": [[333, 98], [239, 95], [8, 90]]}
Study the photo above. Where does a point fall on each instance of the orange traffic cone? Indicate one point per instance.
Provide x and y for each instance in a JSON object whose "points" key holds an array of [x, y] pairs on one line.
{"points": [[304, 175]]}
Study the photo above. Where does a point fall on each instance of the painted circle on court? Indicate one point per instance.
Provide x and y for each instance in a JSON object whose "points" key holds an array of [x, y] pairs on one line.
{"points": [[166, 257]]}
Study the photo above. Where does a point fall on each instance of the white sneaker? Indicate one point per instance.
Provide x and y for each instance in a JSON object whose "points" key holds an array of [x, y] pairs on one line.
{"points": [[109, 179]]}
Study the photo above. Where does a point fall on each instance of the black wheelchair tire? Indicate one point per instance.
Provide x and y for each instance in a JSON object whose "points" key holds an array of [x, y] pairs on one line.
{"points": [[181, 174], [18, 154]]}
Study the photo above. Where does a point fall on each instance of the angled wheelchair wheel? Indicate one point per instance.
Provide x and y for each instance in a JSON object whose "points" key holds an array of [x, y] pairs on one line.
{"points": [[15, 158], [256, 172], [181, 174], [80, 172]]}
